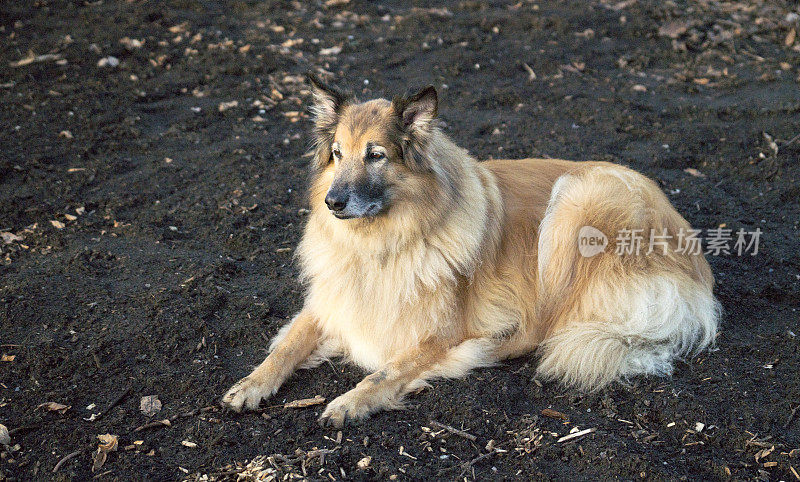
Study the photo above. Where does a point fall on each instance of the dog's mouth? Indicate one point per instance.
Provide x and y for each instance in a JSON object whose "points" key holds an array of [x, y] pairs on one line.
{"points": [[372, 210], [343, 215]]}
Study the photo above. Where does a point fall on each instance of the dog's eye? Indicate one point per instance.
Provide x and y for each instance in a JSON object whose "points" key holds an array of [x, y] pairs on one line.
{"points": [[337, 153], [375, 156]]}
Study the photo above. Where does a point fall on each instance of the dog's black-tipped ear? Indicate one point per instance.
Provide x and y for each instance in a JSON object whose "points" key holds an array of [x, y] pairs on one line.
{"points": [[416, 117], [326, 102], [418, 111]]}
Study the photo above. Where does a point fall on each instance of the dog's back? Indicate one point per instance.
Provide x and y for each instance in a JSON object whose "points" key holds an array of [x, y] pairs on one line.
{"points": [[595, 317]]}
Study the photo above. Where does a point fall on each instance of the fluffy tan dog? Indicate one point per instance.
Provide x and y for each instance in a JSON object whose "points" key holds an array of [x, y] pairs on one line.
{"points": [[422, 262]]}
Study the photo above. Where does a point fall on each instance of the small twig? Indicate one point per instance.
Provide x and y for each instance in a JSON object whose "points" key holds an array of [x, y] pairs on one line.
{"points": [[114, 403], [454, 430], [306, 402], [17, 430], [531, 73], [168, 421], [31, 59], [791, 141], [791, 417], [576, 435], [474, 461], [67, 458]]}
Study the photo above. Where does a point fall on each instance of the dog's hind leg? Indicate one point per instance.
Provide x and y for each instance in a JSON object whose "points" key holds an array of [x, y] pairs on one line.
{"points": [[291, 348], [410, 371]]}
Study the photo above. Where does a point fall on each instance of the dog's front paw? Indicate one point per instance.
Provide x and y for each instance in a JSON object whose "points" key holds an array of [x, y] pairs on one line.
{"points": [[348, 407], [247, 393]]}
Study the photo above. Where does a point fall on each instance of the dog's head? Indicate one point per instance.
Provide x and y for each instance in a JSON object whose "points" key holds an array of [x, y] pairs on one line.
{"points": [[369, 157]]}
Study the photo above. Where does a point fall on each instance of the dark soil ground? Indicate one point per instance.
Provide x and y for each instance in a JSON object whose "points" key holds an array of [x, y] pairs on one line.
{"points": [[149, 209]]}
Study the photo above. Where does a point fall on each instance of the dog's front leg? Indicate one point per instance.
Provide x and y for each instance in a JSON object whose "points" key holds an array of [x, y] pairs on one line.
{"points": [[300, 340], [385, 388]]}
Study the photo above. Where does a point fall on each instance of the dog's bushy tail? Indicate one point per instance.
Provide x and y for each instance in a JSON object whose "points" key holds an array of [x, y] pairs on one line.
{"points": [[614, 315]]}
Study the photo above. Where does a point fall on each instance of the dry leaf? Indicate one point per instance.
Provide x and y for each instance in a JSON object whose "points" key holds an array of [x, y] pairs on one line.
{"points": [[5, 438], [363, 464], [306, 402], [150, 405], [7, 358], [54, 407], [9, 238], [108, 443], [57, 224]]}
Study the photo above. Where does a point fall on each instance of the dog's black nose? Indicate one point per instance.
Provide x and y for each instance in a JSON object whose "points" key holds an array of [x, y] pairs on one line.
{"points": [[336, 201]]}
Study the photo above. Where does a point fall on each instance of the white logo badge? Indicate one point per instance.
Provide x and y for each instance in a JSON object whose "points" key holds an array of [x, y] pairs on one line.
{"points": [[591, 241]]}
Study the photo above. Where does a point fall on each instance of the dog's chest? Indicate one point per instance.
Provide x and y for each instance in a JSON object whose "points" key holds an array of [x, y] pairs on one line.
{"points": [[376, 310]]}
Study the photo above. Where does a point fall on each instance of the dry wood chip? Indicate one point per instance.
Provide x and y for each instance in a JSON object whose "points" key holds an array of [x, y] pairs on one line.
{"points": [[694, 172], [32, 58], [223, 106], [790, 38], [363, 464], [335, 50], [548, 412], [763, 453], [306, 402], [57, 224], [131, 43], [674, 29], [180, 28]]}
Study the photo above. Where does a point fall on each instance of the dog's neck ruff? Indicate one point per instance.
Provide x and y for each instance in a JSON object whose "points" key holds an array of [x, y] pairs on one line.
{"points": [[423, 250]]}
